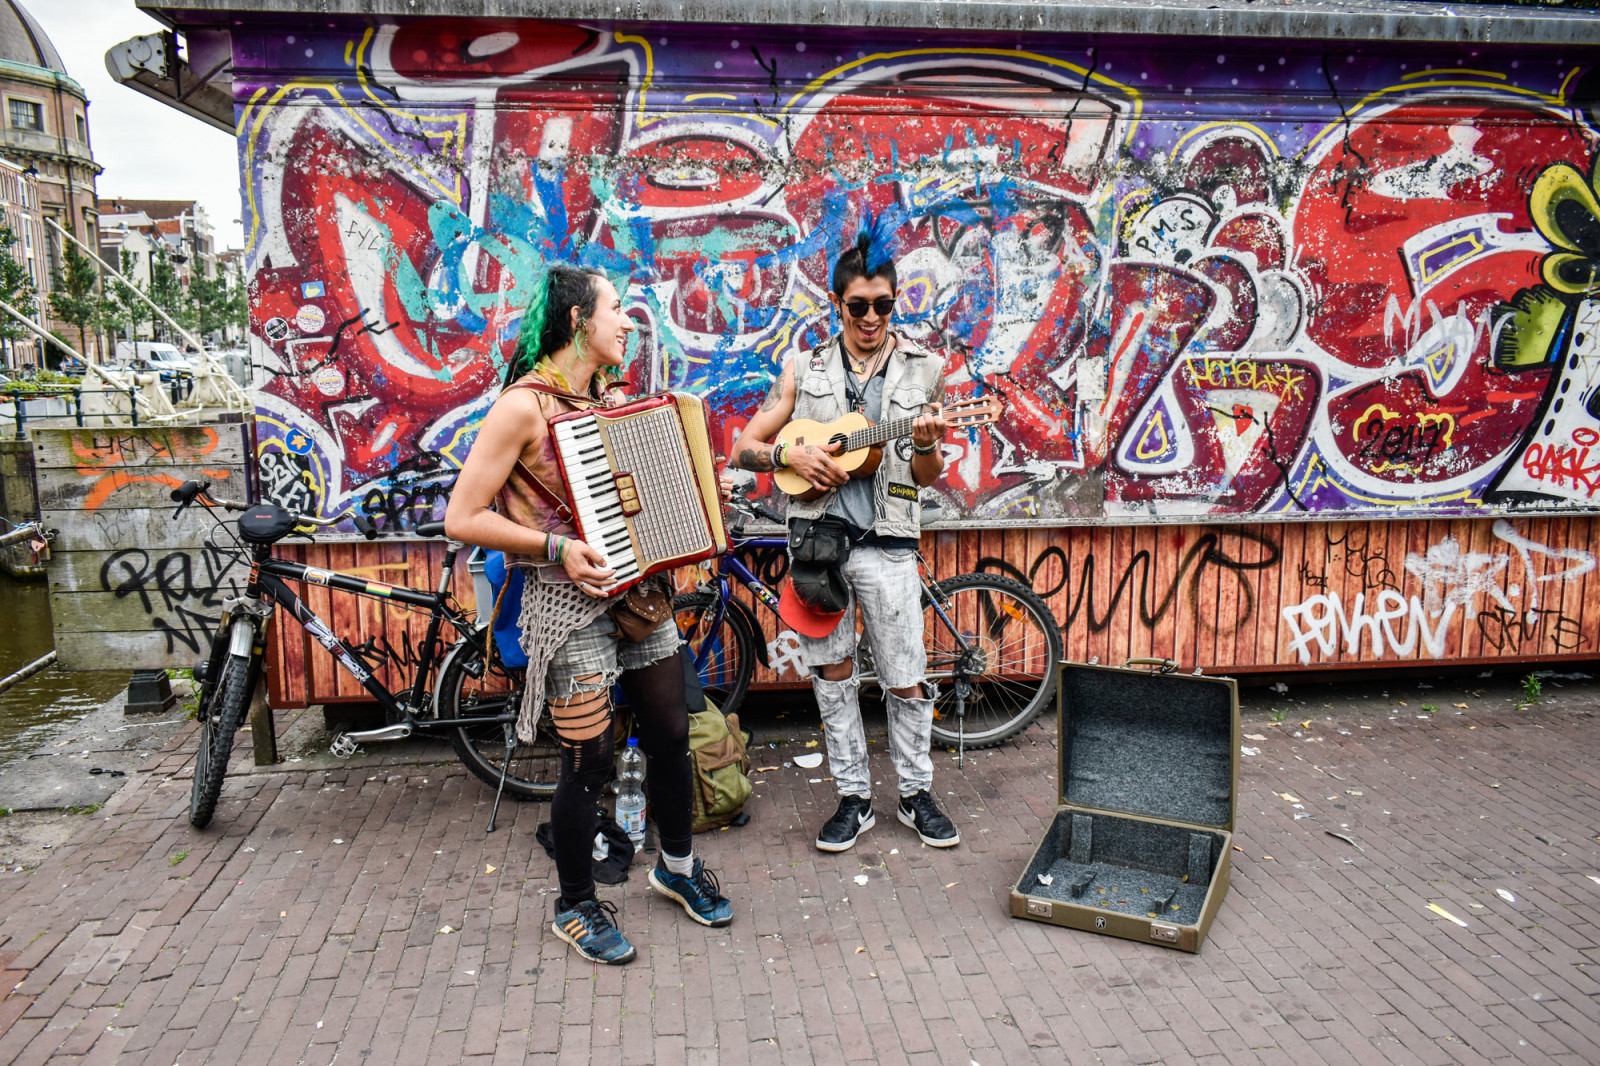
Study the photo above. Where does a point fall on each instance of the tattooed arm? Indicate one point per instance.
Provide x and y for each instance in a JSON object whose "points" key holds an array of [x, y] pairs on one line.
{"points": [[753, 449]]}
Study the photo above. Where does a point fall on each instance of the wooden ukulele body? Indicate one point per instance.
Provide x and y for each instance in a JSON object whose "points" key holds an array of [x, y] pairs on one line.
{"points": [[860, 463]]}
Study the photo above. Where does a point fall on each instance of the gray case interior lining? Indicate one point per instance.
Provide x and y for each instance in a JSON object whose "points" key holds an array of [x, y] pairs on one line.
{"points": [[1125, 866], [1155, 745]]}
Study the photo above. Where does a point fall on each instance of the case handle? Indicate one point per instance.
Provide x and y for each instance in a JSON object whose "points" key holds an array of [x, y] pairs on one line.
{"points": [[1162, 666]]}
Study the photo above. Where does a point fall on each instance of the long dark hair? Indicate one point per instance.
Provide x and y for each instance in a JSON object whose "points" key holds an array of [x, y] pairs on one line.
{"points": [[547, 322]]}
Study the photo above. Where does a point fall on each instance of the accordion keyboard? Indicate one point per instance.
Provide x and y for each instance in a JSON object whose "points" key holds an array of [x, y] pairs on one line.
{"points": [[656, 450]]}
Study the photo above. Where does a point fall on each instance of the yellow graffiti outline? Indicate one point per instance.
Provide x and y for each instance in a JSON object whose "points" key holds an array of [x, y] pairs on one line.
{"points": [[1133, 94], [692, 97], [455, 125], [1355, 427], [1252, 127], [1452, 70], [649, 75], [317, 484], [1364, 102], [1318, 468], [1573, 73], [1158, 422], [1424, 420]]}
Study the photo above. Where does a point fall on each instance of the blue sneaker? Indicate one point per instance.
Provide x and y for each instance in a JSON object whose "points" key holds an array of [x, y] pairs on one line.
{"points": [[699, 893], [591, 927]]}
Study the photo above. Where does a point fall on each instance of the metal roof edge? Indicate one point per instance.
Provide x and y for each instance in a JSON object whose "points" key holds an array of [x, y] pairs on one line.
{"points": [[1350, 20]]}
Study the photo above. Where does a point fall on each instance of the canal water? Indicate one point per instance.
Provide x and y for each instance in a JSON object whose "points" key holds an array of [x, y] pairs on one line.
{"points": [[30, 709]]}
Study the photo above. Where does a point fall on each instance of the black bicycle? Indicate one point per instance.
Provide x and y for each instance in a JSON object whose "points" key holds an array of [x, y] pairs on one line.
{"points": [[474, 701]]}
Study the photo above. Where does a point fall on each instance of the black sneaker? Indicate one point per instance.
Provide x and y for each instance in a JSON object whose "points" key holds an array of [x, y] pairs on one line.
{"points": [[922, 814], [853, 818]]}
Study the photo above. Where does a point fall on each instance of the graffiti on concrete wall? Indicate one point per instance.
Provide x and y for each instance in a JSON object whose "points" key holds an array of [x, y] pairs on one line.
{"points": [[1214, 281]]}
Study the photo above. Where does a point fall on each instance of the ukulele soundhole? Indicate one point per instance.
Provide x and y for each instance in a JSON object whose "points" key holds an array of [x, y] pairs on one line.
{"points": [[838, 438]]}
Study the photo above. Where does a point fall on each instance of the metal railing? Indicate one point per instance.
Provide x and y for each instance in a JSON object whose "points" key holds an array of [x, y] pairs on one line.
{"points": [[75, 394]]}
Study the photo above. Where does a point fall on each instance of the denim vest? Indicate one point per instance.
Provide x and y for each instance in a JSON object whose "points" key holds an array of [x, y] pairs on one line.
{"points": [[915, 377]]}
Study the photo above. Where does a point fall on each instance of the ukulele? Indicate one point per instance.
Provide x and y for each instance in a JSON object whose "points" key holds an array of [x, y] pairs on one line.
{"points": [[861, 442]]}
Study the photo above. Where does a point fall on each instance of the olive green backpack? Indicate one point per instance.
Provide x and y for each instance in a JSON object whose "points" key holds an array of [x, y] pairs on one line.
{"points": [[721, 767]]}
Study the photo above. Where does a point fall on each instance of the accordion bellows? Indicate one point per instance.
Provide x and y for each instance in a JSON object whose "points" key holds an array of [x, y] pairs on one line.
{"points": [[643, 484]]}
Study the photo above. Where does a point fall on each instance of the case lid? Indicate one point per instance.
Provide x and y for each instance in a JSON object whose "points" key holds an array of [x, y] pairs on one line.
{"points": [[1149, 743]]}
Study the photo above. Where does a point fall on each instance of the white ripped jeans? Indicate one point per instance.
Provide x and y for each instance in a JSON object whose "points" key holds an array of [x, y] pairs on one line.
{"points": [[884, 586]]}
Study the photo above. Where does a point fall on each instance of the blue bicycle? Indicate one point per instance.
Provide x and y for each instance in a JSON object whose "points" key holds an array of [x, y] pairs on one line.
{"points": [[993, 643]]}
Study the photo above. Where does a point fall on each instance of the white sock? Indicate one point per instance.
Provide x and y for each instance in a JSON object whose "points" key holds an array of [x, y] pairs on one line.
{"points": [[683, 866]]}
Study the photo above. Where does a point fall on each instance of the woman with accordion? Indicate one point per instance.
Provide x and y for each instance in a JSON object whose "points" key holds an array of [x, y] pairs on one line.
{"points": [[508, 499]]}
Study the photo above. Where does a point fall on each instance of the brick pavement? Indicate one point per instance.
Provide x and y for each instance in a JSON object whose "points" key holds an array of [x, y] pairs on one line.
{"points": [[308, 924]]}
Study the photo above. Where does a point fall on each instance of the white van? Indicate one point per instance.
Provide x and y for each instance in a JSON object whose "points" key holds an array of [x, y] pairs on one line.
{"points": [[153, 355]]}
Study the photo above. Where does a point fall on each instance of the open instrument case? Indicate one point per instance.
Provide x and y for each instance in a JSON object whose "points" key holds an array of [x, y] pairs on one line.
{"points": [[1141, 844]]}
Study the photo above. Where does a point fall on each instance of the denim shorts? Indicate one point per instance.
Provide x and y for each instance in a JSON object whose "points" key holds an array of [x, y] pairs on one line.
{"points": [[594, 650]]}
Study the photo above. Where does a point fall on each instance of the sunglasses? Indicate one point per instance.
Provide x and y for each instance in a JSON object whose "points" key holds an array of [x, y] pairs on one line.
{"points": [[858, 308]]}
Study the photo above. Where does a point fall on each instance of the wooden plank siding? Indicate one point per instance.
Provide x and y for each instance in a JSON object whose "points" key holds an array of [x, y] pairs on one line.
{"points": [[1197, 594]]}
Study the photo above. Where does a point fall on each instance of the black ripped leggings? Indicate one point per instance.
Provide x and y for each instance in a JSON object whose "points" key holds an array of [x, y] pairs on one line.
{"points": [[661, 721]]}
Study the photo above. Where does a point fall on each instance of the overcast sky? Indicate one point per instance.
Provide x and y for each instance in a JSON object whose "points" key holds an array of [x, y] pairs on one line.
{"points": [[149, 151]]}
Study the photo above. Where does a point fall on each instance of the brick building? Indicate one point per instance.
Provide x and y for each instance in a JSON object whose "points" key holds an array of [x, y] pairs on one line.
{"points": [[44, 130]]}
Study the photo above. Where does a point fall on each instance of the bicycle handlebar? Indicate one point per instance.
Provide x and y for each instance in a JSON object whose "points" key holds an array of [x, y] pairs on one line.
{"points": [[190, 491], [754, 508]]}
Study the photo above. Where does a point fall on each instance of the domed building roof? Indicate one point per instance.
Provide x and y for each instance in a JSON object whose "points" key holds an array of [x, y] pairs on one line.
{"points": [[23, 41]]}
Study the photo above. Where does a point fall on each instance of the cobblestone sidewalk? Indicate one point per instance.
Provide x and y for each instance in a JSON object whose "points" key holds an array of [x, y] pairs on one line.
{"points": [[361, 914]]}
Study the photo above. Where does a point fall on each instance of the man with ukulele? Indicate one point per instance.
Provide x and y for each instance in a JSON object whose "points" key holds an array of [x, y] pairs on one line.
{"points": [[871, 370]]}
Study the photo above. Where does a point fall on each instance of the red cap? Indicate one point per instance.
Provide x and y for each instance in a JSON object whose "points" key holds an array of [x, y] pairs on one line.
{"points": [[803, 618]]}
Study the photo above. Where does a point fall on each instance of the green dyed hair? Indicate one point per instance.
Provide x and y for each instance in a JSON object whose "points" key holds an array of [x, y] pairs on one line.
{"points": [[547, 320]]}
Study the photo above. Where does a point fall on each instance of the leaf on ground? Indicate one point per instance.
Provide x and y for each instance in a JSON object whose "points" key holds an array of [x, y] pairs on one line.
{"points": [[489, 869], [811, 743], [1288, 798], [1441, 912], [1461, 705]]}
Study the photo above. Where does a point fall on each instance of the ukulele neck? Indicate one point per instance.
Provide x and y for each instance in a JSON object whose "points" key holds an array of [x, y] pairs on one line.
{"points": [[880, 433]]}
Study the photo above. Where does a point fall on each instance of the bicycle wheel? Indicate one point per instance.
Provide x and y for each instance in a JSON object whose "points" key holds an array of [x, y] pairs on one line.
{"points": [[1012, 646], [729, 647], [222, 711], [469, 687]]}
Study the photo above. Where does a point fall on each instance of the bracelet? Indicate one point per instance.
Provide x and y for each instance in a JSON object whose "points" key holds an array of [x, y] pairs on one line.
{"points": [[555, 547], [780, 454], [929, 450]]}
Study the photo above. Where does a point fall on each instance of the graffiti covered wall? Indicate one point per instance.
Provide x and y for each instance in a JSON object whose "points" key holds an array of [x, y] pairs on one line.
{"points": [[1210, 279]]}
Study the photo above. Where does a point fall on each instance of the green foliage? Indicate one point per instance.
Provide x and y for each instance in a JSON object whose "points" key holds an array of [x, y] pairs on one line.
{"points": [[169, 294], [173, 860], [75, 296], [217, 306], [85, 810], [16, 288], [1277, 715], [119, 308], [1532, 688]]}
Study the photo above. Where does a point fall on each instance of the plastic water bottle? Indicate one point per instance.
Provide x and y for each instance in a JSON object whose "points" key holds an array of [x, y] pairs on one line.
{"points": [[630, 792]]}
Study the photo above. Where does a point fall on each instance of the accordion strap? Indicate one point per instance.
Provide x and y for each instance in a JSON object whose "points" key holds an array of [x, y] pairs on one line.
{"points": [[528, 477]]}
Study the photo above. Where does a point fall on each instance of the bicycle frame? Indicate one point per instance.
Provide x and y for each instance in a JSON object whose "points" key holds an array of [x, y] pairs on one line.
{"points": [[268, 580], [728, 565]]}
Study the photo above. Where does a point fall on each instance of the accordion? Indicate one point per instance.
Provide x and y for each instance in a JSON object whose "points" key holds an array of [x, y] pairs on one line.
{"points": [[643, 484]]}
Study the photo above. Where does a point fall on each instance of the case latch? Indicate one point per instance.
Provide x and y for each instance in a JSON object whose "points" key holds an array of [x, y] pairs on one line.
{"points": [[1165, 932], [1041, 908]]}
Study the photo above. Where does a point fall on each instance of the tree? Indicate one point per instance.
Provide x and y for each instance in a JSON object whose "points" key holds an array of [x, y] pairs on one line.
{"points": [[120, 309], [169, 294], [73, 297], [16, 288], [219, 305]]}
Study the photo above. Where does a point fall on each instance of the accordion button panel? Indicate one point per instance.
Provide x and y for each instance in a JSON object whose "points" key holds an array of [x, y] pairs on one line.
{"points": [[594, 495]]}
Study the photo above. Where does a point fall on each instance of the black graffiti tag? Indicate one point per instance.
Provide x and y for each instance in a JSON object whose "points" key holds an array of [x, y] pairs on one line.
{"points": [[180, 605]]}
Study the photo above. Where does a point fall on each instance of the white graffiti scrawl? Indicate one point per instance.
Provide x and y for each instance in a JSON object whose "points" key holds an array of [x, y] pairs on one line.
{"points": [[1394, 624]]}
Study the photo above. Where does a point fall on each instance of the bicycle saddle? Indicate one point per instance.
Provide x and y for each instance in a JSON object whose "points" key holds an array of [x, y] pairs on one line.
{"points": [[265, 523]]}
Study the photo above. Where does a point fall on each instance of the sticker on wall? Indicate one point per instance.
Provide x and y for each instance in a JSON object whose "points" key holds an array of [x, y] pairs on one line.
{"points": [[275, 329], [309, 318], [298, 442], [329, 380], [313, 290]]}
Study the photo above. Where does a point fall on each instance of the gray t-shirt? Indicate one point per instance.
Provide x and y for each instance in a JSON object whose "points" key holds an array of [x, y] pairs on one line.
{"points": [[855, 500]]}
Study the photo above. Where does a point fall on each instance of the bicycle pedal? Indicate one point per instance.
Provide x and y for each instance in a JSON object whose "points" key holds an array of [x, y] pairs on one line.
{"points": [[343, 746]]}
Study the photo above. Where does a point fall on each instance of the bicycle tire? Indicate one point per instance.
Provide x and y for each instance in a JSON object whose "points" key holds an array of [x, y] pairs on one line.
{"points": [[1016, 645], [221, 714], [468, 686], [731, 663]]}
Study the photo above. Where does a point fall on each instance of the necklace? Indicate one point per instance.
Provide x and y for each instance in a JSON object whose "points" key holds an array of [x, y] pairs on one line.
{"points": [[859, 366]]}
